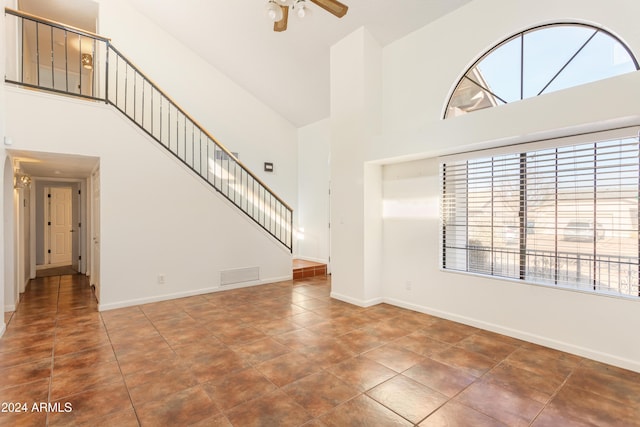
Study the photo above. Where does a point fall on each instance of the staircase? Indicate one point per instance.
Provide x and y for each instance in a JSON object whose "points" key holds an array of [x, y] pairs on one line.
{"points": [[65, 60]]}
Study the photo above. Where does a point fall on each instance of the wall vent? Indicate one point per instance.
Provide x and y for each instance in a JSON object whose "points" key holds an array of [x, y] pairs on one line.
{"points": [[239, 275]]}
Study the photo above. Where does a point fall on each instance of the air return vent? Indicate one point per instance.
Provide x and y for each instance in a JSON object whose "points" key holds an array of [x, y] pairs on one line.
{"points": [[239, 275]]}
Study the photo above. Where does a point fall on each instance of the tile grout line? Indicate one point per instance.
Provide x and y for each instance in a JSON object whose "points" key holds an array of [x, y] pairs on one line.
{"points": [[53, 350], [555, 393], [472, 383], [115, 354]]}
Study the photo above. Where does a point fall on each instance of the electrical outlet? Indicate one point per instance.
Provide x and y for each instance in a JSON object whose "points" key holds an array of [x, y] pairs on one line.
{"points": [[161, 279], [407, 285]]}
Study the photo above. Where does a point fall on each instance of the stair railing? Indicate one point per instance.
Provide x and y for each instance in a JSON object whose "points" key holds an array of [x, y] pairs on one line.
{"points": [[47, 55]]}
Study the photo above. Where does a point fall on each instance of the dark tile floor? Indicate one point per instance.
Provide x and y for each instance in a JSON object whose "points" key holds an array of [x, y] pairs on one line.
{"points": [[286, 354]]}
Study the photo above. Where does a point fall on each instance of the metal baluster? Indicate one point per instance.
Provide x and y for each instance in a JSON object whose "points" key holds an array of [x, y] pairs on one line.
{"points": [[53, 84], [184, 138], [235, 177], [272, 212], [280, 222], [144, 81], [93, 70], [160, 117], [199, 153], [253, 198], [177, 132], [106, 72], [153, 129], [66, 62], [291, 232], [193, 160], [135, 94], [37, 56], [22, 51], [80, 64], [126, 87], [207, 166], [229, 176]]}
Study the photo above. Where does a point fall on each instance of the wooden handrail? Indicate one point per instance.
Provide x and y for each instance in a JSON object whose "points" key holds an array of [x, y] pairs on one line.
{"points": [[55, 24], [195, 122]]}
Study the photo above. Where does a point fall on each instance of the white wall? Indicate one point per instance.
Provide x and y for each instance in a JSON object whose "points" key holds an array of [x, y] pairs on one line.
{"points": [[156, 216], [7, 298], [313, 191], [418, 74], [5, 236], [421, 70], [232, 115], [355, 117]]}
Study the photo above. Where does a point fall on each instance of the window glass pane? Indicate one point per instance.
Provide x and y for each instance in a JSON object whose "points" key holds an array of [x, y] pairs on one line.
{"points": [[576, 215], [546, 51], [479, 215], [541, 60], [617, 216], [564, 216], [601, 58], [454, 215], [540, 230], [499, 71], [467, 97], [505, 215]]}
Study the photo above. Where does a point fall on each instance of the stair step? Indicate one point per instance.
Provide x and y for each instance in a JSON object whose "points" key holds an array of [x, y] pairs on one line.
{"points": [[303, 269]]}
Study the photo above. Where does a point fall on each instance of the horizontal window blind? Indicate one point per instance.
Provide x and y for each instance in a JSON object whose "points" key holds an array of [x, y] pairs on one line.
{"points": [[558, 214]]}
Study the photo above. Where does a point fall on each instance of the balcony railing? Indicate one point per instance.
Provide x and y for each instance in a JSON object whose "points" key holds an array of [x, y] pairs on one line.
{"points": [[50, 56], [607, 273]]}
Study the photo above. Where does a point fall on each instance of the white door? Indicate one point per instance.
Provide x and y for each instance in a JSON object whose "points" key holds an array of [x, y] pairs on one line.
{"points": [[60, 243], [95, 232]]}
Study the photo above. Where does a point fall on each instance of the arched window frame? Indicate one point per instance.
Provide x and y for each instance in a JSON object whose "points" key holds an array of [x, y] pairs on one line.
{"points": [[520, 35]]}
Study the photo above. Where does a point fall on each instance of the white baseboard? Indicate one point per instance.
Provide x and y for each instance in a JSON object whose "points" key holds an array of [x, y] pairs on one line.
{"points": [[599, 356], [9, 307], [176, 295], [355, 301], [3, 328]]}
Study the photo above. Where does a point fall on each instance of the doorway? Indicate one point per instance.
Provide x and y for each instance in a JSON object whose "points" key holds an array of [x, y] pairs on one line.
{"points": [[58, 212], [58, 227]]}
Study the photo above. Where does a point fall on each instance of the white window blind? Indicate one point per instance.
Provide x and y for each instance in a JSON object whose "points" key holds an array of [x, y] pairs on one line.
{"points": [[563, 212]]}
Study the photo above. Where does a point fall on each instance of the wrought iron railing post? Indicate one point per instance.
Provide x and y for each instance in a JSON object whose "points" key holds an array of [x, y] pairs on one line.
{"points": [[106, 72]]}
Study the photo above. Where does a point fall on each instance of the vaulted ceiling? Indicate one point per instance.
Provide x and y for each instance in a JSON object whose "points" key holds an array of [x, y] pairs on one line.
{"points": [[288, 71]]}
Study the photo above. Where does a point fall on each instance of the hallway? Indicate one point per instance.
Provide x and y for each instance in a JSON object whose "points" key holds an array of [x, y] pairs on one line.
{"points": [[286, 354]]}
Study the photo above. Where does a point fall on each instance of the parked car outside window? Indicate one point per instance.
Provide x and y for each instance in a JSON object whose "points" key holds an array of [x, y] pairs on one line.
{"points": [[582, 231]]}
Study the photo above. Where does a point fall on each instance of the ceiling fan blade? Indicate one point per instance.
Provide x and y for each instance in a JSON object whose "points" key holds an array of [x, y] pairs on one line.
{"points": [[281, 25], [332, 6]]}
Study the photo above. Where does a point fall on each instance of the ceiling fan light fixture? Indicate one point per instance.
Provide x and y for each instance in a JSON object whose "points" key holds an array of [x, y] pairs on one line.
{"points": [[278, 10], [273, 10], [301, 8]]}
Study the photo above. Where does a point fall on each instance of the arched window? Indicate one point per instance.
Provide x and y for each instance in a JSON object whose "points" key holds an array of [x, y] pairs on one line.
{"points": [[538, 61]]}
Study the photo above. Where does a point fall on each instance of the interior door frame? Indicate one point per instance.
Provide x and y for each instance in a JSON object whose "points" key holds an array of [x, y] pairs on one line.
{"points": [[79, 203], [94, 200]]}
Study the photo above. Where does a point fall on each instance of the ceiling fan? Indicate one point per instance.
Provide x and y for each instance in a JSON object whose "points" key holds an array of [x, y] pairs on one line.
{"points": [[278, 10]]}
